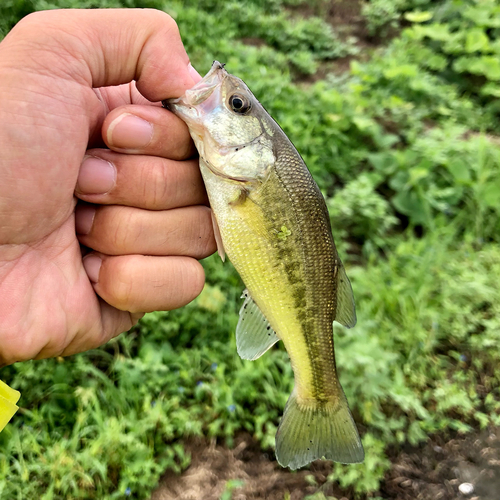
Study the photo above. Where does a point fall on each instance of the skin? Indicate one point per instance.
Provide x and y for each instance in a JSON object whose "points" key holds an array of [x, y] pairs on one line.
{"points": [[70, 81]]}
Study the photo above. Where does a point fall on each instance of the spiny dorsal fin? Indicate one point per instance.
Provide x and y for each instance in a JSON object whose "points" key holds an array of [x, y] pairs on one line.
{"points": [[346, 310], [254, 335]]}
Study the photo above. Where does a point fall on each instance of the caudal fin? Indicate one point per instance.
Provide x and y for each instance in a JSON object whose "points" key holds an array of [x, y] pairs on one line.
{"points": [[317, 430]]}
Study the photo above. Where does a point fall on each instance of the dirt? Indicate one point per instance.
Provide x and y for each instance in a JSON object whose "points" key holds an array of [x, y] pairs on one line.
{"points": [[433, 471], [261, 477], [438, 469], [344, 16]]}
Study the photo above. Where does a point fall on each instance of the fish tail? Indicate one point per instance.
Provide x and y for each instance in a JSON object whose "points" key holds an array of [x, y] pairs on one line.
{"points": [[314, 429]]}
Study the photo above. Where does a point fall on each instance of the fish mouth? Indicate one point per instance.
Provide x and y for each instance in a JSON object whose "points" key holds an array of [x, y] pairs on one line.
{"points": [[200, 99]]}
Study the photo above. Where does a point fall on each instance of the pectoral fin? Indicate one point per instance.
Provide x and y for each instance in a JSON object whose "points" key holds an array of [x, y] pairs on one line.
{"points": [[254, 335], [218, 238], [346, 310]]}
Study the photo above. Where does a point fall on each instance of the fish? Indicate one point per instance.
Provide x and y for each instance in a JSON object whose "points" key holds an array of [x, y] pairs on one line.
{"points": [[271, 220]]}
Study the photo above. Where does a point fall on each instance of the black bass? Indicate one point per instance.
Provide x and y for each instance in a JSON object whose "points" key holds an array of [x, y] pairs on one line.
{"points": [[272, 221]]}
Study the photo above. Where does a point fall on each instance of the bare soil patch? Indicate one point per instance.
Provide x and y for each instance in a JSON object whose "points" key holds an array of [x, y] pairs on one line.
{"points": [[347, 22], [262, 478], [434, 471]]}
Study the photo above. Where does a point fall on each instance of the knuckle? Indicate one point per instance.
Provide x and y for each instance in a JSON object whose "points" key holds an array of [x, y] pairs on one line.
{"points": [[30, 25], [41, 23], [171, 24], [163, 19], [123, 223], [35, 17], [114, 228], [158, 182]]}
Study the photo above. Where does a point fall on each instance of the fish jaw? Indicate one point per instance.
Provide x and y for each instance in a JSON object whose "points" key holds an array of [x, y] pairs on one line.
{"points": [[199, 101]]}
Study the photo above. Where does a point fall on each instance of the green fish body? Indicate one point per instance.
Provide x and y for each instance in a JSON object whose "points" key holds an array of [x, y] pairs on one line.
{"points": [[274, 226]]}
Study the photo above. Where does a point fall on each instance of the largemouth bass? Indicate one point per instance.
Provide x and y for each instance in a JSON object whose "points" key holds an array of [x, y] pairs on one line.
{"points": [[272, 221]]}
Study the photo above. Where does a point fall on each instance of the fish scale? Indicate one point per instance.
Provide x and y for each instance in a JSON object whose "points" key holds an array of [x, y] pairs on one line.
{"points": [[274, 226], [319, 256]]}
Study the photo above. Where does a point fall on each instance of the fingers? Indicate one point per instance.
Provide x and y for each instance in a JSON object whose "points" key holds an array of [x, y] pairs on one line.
{"points": [[139, 283], [116, 230], [147, 130], [148, 182]]}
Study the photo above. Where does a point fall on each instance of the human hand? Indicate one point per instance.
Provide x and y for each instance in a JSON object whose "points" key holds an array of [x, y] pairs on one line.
{"points": [[64, 77]]}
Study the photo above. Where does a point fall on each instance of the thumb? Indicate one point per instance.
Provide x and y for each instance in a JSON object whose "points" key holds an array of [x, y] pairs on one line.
{"points": [[102, 47]]}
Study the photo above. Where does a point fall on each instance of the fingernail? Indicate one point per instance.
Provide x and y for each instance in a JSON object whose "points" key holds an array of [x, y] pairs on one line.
{"points": [[129, 132], [96, 176], [84, 218], [92, 264], [194, 74]]}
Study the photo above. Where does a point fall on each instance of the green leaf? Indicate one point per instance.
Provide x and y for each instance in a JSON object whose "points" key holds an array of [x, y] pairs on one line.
{"points": [[436, 62], [408, 203], [383, 162], [460, 171], [491, 89], [491, 195], [418, 16], [418, 173], [488, 66], [476, 40], [434, 31], [408, 70]]}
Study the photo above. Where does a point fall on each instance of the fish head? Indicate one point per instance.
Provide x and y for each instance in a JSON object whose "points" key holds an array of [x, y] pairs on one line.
{"points": [[230, 128]]}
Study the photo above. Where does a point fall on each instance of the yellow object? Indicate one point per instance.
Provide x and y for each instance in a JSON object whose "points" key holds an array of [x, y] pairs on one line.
{"points": [[8, 399]]}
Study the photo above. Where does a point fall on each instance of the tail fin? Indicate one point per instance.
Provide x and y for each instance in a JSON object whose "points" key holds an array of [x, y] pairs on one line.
{"points": [[315, 430]]}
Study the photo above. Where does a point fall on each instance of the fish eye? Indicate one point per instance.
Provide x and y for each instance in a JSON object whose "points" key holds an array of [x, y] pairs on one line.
{"points": [[239, 104]]}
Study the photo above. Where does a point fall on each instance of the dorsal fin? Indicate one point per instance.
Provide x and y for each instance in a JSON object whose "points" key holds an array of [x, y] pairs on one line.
{"points": [[254, 335], [346, 309]]}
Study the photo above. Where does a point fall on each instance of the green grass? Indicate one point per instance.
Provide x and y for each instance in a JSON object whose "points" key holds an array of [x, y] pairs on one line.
{"points": [[404, 149]]}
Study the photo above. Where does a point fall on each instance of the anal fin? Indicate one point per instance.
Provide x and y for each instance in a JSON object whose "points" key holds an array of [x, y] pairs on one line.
{"points": [[254, 334]]}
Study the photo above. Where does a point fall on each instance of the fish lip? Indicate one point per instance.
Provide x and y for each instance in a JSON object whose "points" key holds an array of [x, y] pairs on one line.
{"points": [[200, 92]]}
